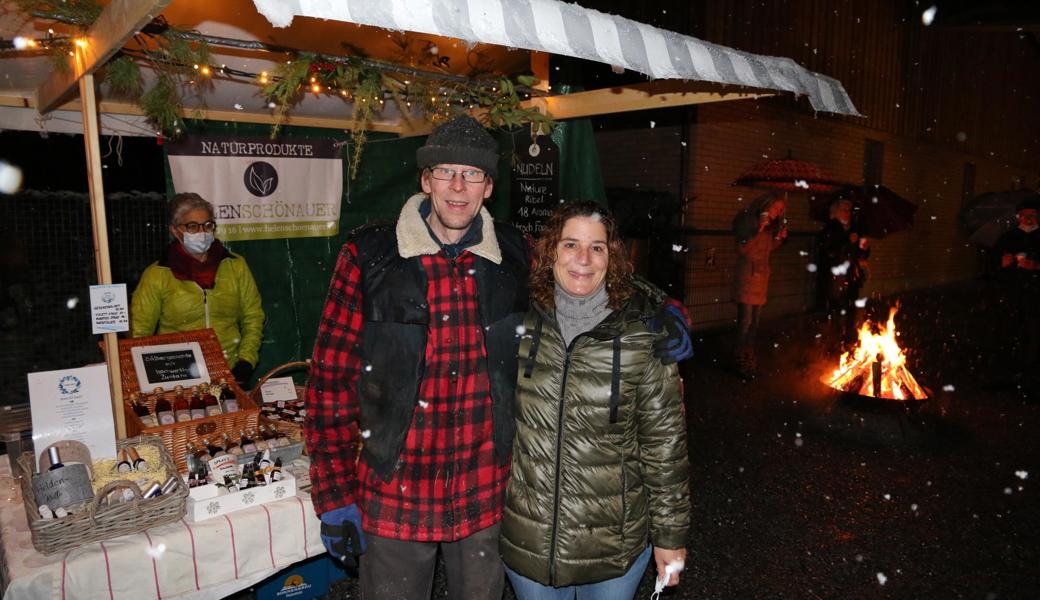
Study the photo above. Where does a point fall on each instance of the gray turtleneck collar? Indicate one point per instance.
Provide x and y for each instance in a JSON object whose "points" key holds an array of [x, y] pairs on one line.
{"points": [[578, 314]]}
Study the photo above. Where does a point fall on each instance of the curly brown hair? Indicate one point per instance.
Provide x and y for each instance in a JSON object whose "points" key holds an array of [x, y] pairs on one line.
{"points": [[619, 268]]}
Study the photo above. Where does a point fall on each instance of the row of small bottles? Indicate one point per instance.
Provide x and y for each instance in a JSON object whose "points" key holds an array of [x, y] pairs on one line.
{"points": [[248, 442], [205, 401], [228, 476]]}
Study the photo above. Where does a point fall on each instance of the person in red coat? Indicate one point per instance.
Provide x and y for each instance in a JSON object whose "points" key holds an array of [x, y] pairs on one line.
{"points": [[759, 230]]}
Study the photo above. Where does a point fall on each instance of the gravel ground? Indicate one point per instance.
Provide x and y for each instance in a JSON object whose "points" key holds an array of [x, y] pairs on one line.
{"points": [[796, 494]]}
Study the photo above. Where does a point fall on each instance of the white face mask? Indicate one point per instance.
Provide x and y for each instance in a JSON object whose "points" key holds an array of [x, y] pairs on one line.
{"points": [[1028, 228], [197, 243]]}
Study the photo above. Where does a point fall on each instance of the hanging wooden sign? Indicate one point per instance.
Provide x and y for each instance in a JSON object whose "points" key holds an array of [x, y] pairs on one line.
{"points": [[535, 186]]}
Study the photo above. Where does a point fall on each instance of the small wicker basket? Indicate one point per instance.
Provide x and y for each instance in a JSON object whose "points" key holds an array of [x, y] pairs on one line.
{"points": [[96, 522], [293, 430], [176, 436]]}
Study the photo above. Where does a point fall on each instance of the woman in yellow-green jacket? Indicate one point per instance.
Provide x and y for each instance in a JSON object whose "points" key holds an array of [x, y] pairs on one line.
{"points": [[199, 283]]}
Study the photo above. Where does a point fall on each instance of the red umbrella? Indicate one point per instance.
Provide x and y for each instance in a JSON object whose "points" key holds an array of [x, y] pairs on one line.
{"points": [[877, 210], [790, 175]]}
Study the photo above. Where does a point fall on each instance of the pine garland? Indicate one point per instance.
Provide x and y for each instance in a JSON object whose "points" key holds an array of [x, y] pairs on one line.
{"points": [[180, 61]]}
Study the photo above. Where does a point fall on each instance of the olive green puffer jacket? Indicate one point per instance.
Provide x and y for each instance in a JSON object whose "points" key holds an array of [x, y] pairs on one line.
{"points": [[588, 492], [164, 304]]}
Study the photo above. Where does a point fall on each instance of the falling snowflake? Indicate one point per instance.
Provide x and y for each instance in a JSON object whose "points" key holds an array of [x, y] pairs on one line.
{"points": [[801, 183], [10, 178], [520, 329], [881, 578], [948, 387], [838, 270], [445, 318], [239, 106], [928, 16], [861, 302], [803, 253], [1022, 474], [424, 403], [810, 268], [368, 368], [156, 551], [72, 302], [677, 248], [366, 433]]}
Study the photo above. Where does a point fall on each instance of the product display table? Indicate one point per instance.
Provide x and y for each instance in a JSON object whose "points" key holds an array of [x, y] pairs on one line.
{"points": [[183, 560]]}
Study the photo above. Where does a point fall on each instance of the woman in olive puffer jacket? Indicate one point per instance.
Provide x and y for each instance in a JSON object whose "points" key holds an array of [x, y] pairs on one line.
{"points": [[600, 468]]}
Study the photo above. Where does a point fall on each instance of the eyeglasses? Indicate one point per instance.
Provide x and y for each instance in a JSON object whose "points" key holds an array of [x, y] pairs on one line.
{"points": [[469, 175], [193, 227]]}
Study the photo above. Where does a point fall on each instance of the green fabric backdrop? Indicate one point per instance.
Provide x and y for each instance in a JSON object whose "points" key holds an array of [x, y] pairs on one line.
{"points": [[293, 274]]}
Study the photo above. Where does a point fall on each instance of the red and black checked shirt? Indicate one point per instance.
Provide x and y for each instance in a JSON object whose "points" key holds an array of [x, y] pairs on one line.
{"points": [[447, 484]]}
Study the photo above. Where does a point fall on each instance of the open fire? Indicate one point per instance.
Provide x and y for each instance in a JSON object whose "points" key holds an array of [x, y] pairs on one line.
{"points": [[876, 366]]}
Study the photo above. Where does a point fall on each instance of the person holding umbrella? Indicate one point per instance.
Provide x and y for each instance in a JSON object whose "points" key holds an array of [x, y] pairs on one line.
{"points": [[842, 268], [759, 230], [1019, 251]]}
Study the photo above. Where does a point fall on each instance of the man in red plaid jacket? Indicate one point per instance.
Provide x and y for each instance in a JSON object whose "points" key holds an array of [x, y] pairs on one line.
{"points": [[415, 356]]}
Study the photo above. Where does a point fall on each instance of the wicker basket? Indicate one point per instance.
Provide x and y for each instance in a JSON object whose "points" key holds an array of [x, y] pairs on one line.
{"points": [[176, 436], [105, 522], [293, 430]]}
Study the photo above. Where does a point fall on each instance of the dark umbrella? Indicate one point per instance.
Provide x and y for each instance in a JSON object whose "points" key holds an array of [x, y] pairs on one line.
{"points": [[789, 175], [877, 210], [989, 215]]}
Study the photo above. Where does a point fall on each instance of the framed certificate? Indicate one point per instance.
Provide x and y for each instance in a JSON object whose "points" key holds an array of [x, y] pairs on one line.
{"points": [[169, 365]]}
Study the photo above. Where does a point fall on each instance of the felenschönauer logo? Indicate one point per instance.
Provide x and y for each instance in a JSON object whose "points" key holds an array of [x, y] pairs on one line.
{"points": [[69, 384], [261, 179]]}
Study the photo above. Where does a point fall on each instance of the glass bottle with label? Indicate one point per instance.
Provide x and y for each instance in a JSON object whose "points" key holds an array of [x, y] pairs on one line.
{"points": [[269, 435], [163, 409], [209, 399], [230, 444], [141, 410], [227, 397], [181, 410], [246, 442], [197, 405], [213, 447]]}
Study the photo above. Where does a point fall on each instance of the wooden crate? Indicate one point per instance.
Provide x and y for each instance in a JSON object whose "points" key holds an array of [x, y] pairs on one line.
{"points": [[176, 436]]}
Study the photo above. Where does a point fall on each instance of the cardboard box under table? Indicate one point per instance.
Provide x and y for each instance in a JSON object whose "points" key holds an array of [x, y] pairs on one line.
{"points": [[176, 436]]}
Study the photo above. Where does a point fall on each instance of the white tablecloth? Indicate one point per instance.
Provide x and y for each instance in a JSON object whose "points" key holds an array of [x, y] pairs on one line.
{"points": [[182, 560]]}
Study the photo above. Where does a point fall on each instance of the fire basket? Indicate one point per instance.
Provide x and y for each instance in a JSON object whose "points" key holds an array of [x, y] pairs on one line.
{"points": [[876, 367]]}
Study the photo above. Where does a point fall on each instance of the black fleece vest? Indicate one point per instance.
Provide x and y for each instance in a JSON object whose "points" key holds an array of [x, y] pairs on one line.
{"points": [[396, 324]]}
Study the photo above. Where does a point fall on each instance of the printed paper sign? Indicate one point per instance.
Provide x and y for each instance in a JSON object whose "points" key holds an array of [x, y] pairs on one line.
{"points": [[278, 389], [108, 308], [169, 365], [73, 404], [262, 188]]}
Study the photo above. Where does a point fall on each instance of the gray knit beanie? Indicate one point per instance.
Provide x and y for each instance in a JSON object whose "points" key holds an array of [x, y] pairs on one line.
{"points": [[460, 141]]}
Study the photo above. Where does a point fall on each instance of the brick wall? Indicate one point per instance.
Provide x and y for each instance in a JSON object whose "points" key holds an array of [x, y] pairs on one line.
{"points": [[727, 138]]}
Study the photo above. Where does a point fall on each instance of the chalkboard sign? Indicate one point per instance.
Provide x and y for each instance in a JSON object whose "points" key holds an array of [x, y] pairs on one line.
{"points": [[168, 365], [536, 182]]}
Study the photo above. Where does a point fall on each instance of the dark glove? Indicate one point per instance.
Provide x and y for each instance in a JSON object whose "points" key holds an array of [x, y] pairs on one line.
{"points": [[677, 345], [342, 536], [242, 371]]}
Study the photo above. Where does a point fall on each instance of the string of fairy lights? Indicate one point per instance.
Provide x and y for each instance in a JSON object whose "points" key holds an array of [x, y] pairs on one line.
{"points": [[453, 90]]}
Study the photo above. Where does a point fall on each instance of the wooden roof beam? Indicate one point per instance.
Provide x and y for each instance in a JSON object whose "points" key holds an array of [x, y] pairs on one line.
{"points": [[120, 20], [644, 96]]}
